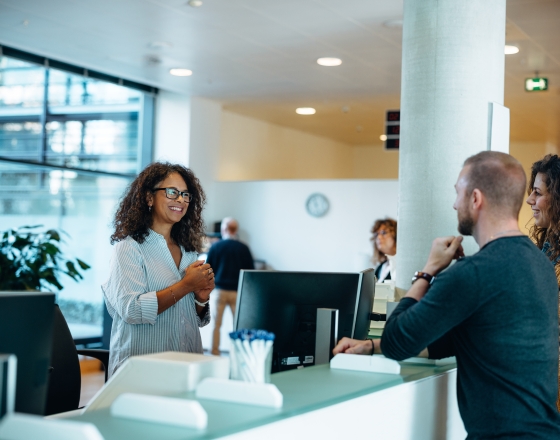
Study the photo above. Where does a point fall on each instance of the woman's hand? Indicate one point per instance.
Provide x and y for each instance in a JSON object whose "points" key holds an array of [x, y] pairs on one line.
{"points": [[199, 276]]}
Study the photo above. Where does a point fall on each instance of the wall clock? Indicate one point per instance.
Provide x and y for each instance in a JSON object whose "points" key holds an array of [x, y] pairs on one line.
{"points": [[317, 205]]}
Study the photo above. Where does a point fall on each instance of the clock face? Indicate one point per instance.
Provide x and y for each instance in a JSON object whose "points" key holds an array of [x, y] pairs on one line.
{"points": [[317, 205]]}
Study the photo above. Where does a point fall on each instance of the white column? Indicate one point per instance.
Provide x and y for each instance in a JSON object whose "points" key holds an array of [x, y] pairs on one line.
{"points": [[205, 135], [172, 128], [453, 67]]}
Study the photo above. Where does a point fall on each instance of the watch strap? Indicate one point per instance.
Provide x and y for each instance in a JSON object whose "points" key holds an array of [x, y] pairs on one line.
{"points": [[429, 278], [201, 304]]}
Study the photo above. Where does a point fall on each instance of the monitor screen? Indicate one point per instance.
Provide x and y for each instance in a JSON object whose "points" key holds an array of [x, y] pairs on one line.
{"points": [[26, 325], [286, 303]]}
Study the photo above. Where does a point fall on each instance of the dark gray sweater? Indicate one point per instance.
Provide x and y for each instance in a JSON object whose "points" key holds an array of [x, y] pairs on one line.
{"points": [[497, 312]]}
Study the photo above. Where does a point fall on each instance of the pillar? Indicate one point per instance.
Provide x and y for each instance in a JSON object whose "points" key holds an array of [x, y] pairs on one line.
{"points": [[453, 67]]}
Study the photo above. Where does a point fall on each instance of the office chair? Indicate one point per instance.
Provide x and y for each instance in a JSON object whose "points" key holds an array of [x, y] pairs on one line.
{"points": [[65, 379]]}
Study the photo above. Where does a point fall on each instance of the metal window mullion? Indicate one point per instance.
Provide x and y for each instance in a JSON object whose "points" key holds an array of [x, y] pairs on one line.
{"points": [[43, 119]]}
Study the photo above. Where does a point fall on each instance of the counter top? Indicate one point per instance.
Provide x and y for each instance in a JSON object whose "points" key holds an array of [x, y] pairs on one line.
{"points": [[304, 390]]}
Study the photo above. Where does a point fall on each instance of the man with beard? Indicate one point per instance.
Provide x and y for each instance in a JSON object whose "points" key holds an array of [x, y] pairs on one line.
{"points": [[496, 311]]}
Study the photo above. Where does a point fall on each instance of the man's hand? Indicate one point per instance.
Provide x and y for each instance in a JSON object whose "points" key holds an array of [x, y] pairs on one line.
{"points": [[353, 346], [444, 250]]}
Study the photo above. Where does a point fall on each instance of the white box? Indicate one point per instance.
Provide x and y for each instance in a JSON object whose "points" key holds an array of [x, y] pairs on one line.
{"points": [[160, 374]]}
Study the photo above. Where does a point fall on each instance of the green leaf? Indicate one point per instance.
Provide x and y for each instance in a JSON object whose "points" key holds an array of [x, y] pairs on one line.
{"points": [[83, 265], [53, 235], [51, 249]]}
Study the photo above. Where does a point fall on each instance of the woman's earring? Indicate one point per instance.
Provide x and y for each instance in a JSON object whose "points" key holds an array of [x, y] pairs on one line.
{"points": [[150, 208]]}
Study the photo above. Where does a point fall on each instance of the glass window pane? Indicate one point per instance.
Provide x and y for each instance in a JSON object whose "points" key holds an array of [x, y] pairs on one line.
{"points": [[78, 204], [20, 139], [75, 90], [21, 84], [101, 145]]}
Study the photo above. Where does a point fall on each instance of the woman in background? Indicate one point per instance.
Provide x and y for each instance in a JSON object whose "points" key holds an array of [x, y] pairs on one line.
{"points": [[544, 198], [384, 237], [158, 292]]}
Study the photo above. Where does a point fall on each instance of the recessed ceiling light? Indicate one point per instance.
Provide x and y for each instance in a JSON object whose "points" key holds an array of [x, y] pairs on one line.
{"points": [[180, 72], [511, 50], [383, 137], [195, 3], [329, 62], [305, 111]]}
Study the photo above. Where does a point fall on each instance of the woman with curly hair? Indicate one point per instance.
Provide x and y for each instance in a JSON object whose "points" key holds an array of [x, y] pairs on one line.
{"points": [[158, 292], [544, 198], [384, 237]]}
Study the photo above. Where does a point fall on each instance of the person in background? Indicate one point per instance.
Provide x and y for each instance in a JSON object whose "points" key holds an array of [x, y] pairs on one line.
{"points": [[158, 292], [384, 237], [495, 311], [227, 257], [544, 198]]}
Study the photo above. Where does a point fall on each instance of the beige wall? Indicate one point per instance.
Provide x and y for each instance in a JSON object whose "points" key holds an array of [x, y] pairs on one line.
{"points": [[256, 150], [374, 162], [251, 149]]}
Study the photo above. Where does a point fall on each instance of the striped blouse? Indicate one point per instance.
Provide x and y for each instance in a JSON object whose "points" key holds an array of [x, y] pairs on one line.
{"points": [[137, 272]]}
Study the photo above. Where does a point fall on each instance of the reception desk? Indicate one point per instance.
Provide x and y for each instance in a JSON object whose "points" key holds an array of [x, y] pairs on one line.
{"points": [[320, 402]]}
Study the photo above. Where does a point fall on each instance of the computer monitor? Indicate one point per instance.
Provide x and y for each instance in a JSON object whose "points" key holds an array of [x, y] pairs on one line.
{"points": [[286, 303], [26, 325]]}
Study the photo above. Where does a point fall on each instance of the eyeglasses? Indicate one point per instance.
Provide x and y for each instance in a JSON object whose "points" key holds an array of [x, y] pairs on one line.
{"points": [[382, 232], [173, 194]]}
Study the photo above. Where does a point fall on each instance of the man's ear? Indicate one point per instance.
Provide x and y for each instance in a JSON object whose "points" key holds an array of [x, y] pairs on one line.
{"points": [[477, 199]]}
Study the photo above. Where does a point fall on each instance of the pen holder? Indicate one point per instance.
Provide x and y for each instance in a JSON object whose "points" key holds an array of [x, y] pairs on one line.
{"points": [[251, 355]]}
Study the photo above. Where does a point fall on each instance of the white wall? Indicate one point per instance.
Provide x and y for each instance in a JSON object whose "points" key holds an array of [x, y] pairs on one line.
{"points": [[172, 127], [275, 224]]}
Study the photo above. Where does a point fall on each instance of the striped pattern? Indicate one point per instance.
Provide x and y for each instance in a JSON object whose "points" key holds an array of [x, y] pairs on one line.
{"points": [[137, 272]]}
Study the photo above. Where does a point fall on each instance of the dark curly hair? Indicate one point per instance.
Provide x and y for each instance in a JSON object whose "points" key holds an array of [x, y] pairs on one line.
{"points": [[549, 167], [391, 225], [133, 217]]}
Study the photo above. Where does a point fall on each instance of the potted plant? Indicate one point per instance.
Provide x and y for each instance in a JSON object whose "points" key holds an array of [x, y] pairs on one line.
{"points": [[33, 260]]}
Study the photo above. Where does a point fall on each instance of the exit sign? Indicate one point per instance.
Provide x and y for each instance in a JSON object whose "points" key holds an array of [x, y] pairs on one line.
{"points": [[536, 84]]}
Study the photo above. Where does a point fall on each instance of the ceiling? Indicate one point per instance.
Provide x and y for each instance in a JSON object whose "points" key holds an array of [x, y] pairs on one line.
{"points": [[258, 57]]}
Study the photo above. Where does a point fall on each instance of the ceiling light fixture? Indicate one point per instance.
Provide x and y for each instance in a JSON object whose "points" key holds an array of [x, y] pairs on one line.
{"points": [[329, 62], [383, 137], [180, 72], [195, 3], [511, 50], [305, 111]]}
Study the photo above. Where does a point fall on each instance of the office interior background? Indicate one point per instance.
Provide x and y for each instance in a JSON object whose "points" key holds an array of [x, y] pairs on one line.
{"points": [[87, 100]]}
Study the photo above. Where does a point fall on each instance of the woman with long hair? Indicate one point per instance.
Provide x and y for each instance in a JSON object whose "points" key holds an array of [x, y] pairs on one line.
{"points": [[158, 292], [384, 238], [544, 198]]}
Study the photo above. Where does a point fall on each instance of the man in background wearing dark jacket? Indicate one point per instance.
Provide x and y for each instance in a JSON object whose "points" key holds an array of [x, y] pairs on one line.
{"points": [[227, 257]]}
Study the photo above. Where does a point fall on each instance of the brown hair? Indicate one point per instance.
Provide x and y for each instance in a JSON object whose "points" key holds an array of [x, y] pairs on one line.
{"points": [[133, 217], [500, 177], [391, 226], [549, 167]]}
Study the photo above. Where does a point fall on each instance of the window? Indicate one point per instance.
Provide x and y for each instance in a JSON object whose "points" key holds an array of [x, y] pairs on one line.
{"points": [[69, 146]]}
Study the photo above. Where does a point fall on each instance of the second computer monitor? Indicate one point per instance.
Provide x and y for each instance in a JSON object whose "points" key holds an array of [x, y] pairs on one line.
{"points": [[286, 303]]}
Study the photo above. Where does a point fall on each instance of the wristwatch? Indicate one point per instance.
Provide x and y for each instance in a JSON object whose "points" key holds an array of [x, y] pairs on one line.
{"points": [[429, 278], [201, 304]]}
